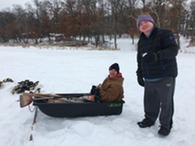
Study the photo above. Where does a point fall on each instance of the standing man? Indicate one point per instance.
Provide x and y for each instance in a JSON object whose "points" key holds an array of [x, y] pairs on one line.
{"points": [[156, 72]]}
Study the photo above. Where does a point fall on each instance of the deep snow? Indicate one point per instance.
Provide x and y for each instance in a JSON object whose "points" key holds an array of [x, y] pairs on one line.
{"points": [[74, 71]]}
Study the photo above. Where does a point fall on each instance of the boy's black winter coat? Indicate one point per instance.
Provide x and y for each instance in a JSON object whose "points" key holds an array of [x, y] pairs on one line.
{"points": [[161, 41]]}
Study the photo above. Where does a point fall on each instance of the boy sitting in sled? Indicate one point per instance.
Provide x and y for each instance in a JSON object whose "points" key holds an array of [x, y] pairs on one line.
{"points": [[112, 87], [110, 90]]}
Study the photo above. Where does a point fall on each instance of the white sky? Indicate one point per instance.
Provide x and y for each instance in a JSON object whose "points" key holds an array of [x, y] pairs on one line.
{"points": [[9, 3]]}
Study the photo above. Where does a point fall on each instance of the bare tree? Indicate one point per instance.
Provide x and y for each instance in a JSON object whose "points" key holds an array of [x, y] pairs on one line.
{"points": [[20, 24], [192, 20], [6, 26], [92, 19]]}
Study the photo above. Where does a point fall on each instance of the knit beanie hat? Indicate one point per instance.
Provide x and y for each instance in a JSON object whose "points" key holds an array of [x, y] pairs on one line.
{"points": [[144, 18], [115, 66]]}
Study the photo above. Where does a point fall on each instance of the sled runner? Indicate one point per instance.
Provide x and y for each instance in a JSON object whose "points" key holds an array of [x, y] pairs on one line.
{"points": [[73, 105]]}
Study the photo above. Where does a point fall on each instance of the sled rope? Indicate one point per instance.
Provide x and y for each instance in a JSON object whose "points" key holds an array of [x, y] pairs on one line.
{"points": [[33, 123], [30, 109]]}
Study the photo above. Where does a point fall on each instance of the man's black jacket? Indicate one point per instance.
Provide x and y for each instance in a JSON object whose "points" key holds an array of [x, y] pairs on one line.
{"points": [[161, 42]]}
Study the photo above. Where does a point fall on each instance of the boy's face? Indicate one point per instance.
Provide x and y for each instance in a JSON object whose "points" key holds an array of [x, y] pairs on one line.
{"points": [[112, 73], [146, 26]]}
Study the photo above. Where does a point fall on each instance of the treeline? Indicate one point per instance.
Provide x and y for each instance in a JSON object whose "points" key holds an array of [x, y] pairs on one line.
{"points": [[90, 20]]}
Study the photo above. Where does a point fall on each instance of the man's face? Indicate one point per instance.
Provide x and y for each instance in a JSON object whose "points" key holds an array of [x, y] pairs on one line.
{"points": [[112, 73], [146, 27]]}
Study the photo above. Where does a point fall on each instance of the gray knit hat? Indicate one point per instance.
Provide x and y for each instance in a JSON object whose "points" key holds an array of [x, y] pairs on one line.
{"points": [[144, 18]]}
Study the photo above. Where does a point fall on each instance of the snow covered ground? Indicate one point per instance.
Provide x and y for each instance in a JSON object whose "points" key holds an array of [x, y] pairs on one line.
{"points": [[74, 71]]}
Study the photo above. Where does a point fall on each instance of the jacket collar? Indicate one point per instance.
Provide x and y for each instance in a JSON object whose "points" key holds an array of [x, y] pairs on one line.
{"points": [[117, 76]]}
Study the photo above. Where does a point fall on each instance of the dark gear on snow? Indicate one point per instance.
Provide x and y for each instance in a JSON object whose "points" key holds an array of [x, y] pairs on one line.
{"points": [[5, 80], [26, 85], [8, 80]]}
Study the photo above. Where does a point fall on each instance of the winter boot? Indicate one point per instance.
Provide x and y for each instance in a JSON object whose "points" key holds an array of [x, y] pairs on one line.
{"points": [[164, 131], [146, 122]]}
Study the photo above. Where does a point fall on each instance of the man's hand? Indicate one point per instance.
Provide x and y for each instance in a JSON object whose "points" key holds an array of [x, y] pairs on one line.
{"points": [[152, 57], [149, 58]]}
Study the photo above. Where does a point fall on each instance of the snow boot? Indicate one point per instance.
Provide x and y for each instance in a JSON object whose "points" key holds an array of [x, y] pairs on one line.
{"points": [[164, 131], [146, 122]]}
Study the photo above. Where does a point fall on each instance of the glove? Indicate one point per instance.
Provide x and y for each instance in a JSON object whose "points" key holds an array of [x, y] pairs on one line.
{"points": [[149, 58], [140, 81], [93, 89], [97, 92]]}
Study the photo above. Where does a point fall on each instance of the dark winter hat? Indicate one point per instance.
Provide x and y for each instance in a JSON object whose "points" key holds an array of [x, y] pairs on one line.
{"points": [[115, 66], [144, 18]]}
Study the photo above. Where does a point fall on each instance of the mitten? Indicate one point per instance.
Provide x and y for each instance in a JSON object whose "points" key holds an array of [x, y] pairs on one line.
{"points": [[93, 89], [97, 92], [149, 58]]}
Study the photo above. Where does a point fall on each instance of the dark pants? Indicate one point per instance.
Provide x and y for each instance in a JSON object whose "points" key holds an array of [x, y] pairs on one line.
{"points": [[158, 100]]}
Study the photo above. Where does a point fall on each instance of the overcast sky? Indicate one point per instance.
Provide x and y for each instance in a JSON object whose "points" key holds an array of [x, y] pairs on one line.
{"points": [[9, 3]]}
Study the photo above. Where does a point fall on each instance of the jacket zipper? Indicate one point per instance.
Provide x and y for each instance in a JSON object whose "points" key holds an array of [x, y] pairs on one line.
{"points": [[147, 67]]}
